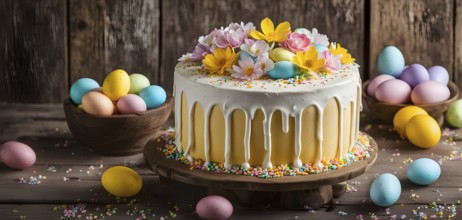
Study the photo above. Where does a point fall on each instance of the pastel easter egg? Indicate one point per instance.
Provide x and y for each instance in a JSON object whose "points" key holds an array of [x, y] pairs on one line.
{"points": [[302, 31], [281, 54], [415, 74], [214, 207], [154, 96], [130, 104], [376, 82], [96, 103], [320, 48], [80, 88], [17, 155], [430, 92], [454, 114], [390, 61], [403, 116], [138, 82], [121, 181], [393, 91], [116, 84], [423, 131], [423, 171], [283, 70], [385, 190], [439, 74], [244, 55]]}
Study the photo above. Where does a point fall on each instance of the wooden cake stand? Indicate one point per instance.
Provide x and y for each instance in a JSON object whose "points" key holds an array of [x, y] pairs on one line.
{"points": [[288, 192]]}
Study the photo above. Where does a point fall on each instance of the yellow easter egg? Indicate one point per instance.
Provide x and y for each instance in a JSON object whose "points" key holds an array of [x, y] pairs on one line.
{"points": [[121, 181], [116, 84], [423, 131], [403, 116], [281, 54]]}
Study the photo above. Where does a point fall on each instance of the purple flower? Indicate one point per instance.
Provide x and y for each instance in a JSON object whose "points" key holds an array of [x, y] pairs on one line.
{"points": [[332, 63], [208, 40], [265, 63], [230, 38], [296, 42], [200, 51], [247, 70], [246, 27], [255, 48]]}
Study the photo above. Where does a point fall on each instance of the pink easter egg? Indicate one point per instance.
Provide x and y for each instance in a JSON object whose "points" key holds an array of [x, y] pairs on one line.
{"points": [[17, 155], [376, 82], [214, 207]]}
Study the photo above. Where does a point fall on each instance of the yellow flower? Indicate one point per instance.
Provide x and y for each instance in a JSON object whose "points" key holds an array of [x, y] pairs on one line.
{"points": [[339, 50], [309, 61], [220, 61], [269, 34]]}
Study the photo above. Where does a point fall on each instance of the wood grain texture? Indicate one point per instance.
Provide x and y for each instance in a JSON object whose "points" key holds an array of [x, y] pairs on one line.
{"points": [[421, 29], [184, 21], [33, 45], [109, 35], [457, 71]]}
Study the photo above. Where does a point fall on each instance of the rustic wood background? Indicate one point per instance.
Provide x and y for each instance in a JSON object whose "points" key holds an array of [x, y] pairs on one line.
{"points": [[46, 45]]}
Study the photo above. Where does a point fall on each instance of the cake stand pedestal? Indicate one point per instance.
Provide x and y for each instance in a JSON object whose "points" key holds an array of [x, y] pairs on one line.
{"points": [[288, 192]]}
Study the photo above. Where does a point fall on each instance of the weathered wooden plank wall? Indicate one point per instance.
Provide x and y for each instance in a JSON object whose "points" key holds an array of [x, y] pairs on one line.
{"points": [[46, 45]]}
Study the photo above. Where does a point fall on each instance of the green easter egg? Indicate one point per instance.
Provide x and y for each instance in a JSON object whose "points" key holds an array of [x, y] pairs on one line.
{"points": [[454, 114], [138, 82], [281, 54]]}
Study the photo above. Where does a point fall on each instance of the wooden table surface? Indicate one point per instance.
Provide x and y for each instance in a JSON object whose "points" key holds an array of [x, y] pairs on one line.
{"points": [[69, 179]]}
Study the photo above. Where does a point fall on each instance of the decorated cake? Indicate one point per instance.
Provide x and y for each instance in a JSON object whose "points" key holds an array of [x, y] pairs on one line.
{"points": [[265, 97]]}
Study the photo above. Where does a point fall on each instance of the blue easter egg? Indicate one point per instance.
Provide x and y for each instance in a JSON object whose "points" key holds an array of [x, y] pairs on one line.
{"points": [[390, 61], [320, 48], [81, 87], [154, 96], [283, 70], [385, 190], [244, 55], [302, 31], [423, 171]]}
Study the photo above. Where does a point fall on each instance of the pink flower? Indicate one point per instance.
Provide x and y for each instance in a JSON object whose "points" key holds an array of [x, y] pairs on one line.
{"points": [[317, 38], [296, 42], [255, 48], [246, 27], [265, 63], [247, 70], [208, 40], [332, 63], [230, 38]]}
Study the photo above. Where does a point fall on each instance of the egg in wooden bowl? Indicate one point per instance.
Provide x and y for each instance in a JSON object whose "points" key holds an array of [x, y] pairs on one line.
{"points": [[386, 111], [120, 134]]}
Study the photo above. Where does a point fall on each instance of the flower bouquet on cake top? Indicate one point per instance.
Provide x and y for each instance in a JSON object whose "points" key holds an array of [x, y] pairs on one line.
{"points": [[245, 53]]}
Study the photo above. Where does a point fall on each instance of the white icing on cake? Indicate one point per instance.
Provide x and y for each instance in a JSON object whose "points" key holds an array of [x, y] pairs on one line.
{"points": [[269, 96]]}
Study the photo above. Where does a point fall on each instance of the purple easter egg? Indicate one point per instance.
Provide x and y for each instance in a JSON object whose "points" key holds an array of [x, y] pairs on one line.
{"points": [[415, 74], [439, 74]]}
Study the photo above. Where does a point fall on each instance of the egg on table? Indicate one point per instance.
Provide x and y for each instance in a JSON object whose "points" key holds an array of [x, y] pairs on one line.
{"points": [[17, 155], [423, 131], [214, 207], [121, 181], [393, 91], [454, 114], [403, 116], [385, 190], [423, 171]]}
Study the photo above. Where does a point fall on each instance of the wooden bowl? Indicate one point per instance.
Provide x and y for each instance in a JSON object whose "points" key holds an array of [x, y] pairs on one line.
{"points": [[386, 111], [116, 135]]}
